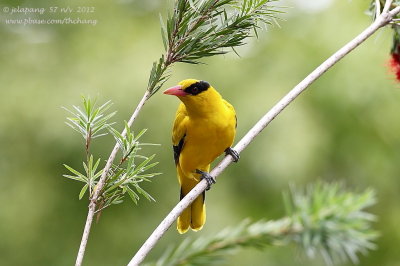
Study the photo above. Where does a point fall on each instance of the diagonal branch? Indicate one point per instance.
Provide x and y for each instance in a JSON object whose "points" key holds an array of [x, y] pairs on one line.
{"points": [[385, 17]]}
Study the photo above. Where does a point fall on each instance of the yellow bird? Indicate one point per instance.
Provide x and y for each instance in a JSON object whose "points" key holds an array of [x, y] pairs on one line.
{"points": [[204, 127]]}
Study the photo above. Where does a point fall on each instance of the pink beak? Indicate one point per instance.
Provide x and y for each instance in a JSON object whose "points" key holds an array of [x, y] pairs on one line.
{"points": [[177, 91]]}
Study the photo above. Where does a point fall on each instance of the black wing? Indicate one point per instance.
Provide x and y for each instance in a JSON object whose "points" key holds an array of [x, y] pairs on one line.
{"points": [[178, 149]]}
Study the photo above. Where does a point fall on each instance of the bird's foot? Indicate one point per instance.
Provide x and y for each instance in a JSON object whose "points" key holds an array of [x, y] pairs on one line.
{"points": [[210, 179], [235, 155]]}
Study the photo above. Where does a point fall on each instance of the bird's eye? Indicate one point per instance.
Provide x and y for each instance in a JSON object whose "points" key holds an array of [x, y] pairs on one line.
{"points": [[195, 90]]}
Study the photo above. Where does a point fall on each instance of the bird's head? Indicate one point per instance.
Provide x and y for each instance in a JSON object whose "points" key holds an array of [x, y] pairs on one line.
{"points": [[198, 96], [189, 88]]}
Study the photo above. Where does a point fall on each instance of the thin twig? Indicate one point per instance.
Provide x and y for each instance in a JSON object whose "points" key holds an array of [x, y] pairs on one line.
{"points": [[381, 21], [377, 8], [100, 184], [386, 8]]}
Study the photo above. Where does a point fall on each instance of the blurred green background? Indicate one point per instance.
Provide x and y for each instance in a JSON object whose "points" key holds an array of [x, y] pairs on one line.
{"points": [[344, 128]]}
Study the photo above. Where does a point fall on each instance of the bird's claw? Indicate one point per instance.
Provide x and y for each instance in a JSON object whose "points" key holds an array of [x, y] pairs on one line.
{"points": [[235, 155], [210, 179]]}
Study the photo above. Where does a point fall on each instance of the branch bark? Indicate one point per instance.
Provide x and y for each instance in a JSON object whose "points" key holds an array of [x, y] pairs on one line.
{"points": [[102, 181], [383, 19]]}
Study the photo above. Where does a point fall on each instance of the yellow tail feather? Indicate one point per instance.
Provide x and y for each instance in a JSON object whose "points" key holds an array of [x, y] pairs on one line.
{"points": [[183, 221], [193, 216], [198, 213]]}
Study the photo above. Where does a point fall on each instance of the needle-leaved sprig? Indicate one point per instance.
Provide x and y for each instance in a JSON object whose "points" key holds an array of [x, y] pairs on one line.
{"points": [[123, 178], [202, 28], [323, 219]]}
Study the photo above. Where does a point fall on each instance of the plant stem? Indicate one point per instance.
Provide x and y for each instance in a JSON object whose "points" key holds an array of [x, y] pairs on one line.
{"points": [[384, 18], [102, 181], [378, 8], [386, 8]]}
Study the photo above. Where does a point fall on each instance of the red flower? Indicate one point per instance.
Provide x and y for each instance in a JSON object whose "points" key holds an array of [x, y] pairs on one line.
{"points": [[394, 64]]}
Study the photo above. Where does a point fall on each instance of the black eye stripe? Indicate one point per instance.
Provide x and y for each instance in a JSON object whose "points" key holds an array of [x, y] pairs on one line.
{"points": [[197, 87]]}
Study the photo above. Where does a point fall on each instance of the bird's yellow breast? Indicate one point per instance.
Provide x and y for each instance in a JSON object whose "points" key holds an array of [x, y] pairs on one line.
{"points": [[206, 138]]}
